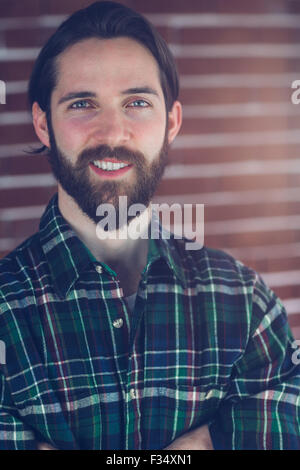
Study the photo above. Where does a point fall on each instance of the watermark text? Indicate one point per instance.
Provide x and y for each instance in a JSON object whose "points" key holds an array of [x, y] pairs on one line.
{"points": [[2, 352], [296, 354], [188, 222], [2, 92]]}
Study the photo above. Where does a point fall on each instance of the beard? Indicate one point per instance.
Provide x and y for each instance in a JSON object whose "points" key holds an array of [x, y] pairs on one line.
{"points": [[76, 179]]}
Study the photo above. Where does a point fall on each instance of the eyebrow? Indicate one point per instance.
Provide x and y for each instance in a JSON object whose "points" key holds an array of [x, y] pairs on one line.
{"points": [[89, 94], [145, 89], [75, 95]]}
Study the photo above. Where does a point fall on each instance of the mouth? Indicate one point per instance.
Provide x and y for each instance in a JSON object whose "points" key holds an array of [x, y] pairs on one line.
{"points": [[109, 168]]}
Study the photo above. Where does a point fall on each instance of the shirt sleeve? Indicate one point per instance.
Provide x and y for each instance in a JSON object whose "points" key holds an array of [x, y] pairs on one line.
{"points": [[262, 407], [14, 433]]}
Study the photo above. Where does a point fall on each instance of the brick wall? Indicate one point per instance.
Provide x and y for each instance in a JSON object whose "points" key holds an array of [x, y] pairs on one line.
{"points": [[238, 151]]}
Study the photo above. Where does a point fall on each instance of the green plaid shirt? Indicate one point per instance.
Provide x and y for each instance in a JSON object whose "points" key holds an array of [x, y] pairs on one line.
{"points": [[208, 343]]}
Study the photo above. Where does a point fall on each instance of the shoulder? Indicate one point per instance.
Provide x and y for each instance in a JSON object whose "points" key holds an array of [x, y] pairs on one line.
{"points": [[215, 265], [230, 282], [224, 268], [219, 272], [18, 267]]}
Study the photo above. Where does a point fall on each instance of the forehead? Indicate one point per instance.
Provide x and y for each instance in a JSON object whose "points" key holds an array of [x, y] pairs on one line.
{"points": [[107, 61]]}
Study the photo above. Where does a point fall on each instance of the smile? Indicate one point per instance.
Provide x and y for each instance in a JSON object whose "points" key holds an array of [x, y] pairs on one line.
{"points": [[109, 169], [109, 165]]}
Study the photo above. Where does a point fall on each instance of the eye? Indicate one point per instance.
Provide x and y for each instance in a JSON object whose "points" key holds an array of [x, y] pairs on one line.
{"points": [[138, 104], [82, 104]]}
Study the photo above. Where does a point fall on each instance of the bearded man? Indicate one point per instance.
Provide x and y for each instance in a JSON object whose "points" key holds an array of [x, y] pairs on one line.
{"points": [[130, 342]]}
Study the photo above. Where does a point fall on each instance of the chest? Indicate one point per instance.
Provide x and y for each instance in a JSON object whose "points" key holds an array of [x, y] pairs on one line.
{"points": [[94, 366]]}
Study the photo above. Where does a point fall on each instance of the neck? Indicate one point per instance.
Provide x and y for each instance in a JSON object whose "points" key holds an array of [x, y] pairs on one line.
{"points": [[115, 248]]}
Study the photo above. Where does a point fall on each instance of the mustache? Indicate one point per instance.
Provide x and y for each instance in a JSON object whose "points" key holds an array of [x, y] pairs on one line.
{"points": [[101, 152]]}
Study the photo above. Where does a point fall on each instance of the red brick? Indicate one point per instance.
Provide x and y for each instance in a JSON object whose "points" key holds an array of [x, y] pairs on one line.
{"points": [[236, 35], [11, 8], [294, 321], [25, 197], [235, 95], [16, 102], [17, 134], [215, 155], [36, 37], [250, 65], [26, 164], [196, 6], [239, 183], [269, 264], [236, 125], [244, 211], [288, 292], [12, 71]]}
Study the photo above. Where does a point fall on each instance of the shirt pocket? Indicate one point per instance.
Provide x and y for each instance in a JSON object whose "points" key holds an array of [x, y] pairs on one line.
{"points": [[184, 407]]}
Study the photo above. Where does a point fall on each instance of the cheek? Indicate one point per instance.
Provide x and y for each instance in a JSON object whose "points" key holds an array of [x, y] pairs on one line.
{"points": [[150, 133], [146, 134], [70, 134]]}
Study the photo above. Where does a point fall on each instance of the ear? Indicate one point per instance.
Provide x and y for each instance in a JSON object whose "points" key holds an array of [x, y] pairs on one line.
{"points": [[175, 120], [40, 124]]}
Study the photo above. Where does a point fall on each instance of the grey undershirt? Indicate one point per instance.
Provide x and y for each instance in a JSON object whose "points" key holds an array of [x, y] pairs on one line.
{"points": [[131, 301]]}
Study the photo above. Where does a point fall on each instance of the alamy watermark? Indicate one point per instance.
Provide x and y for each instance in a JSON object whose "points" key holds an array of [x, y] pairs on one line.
{"points": [[2, 352], [296, 354], [144, 222], [295, 98], [2, 92]]}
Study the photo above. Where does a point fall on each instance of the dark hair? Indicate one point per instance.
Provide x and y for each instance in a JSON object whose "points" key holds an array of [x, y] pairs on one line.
{"points": [[103, 20]]}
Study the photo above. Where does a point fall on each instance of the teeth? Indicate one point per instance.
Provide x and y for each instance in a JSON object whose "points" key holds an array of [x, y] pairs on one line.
{"points": [[109, 166]]}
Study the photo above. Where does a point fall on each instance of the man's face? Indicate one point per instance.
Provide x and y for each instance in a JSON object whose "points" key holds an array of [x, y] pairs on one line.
{"points": [[108, 109]]}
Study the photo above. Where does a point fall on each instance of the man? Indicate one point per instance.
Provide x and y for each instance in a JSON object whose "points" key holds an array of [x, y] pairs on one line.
{"points": [[130, 342]]}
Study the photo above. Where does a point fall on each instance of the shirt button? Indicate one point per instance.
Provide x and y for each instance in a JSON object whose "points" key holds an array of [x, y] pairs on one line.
{"points": [[209, 395], [133, 393], [99, 269], [118, 323]]}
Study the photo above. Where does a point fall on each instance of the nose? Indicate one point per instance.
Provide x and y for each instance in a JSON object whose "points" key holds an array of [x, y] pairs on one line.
{"points": [[111, 129]]}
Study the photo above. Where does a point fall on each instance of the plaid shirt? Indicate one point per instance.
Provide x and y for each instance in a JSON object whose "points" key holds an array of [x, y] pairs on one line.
{"points": [[207, 343]]}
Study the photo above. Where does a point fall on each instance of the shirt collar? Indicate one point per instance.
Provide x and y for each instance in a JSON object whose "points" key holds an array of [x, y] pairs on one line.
{"points": [[65, 252], [162, 245], [67, 256]]}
